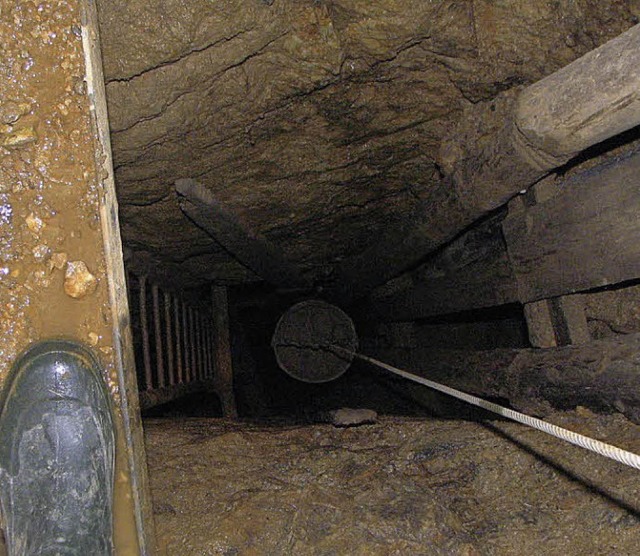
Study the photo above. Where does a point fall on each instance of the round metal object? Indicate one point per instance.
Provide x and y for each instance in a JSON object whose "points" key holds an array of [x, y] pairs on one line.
{"points": [[304, 338]]}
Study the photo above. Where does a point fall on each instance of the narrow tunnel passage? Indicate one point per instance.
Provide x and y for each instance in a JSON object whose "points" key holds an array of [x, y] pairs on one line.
{"points": [[460, 178], [428, 475]]}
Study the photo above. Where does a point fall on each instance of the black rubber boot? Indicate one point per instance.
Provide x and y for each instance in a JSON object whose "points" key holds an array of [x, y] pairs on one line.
{"points": [[56, 454]]}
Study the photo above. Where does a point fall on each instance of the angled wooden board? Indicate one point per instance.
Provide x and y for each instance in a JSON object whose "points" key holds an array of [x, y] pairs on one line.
{"points": [[255, 252], [585, 237]]}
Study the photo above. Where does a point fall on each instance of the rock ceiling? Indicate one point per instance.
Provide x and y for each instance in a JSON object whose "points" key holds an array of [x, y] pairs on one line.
{"points": [[316, 123]]}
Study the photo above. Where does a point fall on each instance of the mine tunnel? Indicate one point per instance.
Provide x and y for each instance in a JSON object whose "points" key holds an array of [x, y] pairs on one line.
{"points": [[275, 224]]}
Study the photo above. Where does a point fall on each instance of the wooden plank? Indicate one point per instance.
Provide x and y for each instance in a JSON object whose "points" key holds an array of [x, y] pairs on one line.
{"points": [[255, 252], [157, 328], [144, 329], [602, 375], [540, 324], [570, 320], [471, 273], [169, 337], [583, 238], [580, 235], [502, 147], [124, 359]]}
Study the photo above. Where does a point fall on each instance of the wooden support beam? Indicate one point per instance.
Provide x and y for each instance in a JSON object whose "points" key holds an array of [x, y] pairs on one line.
{"points": [[602, 375], [255, 252], [185, 339], [223, 377], [568, 236], [192, 345], [512, 142], [144, 328], [177, 313], [583, 238], [471, 273], [169, 338], [540, 324], [157, 327]]}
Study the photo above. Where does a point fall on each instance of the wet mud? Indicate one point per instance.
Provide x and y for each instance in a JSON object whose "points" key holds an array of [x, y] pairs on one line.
{"points": [[53, 272], [403, 486]]}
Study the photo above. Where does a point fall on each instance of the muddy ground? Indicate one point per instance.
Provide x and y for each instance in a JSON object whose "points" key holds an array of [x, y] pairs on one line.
{"points": [[403, 486]]}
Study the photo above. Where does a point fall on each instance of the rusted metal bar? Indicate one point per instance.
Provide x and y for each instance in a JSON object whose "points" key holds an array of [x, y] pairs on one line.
{"points": [[158, 336], [169, 338], [177, 317], [144, 325]]}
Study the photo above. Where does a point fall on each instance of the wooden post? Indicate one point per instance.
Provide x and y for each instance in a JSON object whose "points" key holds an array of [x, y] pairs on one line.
{"points": [[203, 359], [169, 338], [144, 325], [192, 340], [540, 324], [196, 319], [177, 318], [185, 344], [158, 336], [209, 350], [570, 320], [223, 378], [559, 321]]}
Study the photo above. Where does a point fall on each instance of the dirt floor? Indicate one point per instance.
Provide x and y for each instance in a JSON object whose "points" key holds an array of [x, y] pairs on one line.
{"points": [[403, 486]]}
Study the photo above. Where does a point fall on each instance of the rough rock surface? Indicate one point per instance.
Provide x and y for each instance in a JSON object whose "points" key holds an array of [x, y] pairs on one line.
{"points": [[316, 122], [402, 486]]}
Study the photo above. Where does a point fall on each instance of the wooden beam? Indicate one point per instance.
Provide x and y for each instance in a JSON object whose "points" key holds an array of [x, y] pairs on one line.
{"points": [[602, 375], [472, 272], [583, 238], [169, 338], [580, 234], [570, 320], [124, 358], [159, 396], [540, 324], [223, 374], [502, 147], [255, 252]]}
